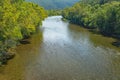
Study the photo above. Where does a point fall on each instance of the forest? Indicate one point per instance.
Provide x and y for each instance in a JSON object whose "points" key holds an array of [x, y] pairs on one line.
{"points": [[17, 23], [100, 15]]}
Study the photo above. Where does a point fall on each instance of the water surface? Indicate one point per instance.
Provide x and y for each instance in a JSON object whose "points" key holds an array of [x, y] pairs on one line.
{"points": [[63, 51]]}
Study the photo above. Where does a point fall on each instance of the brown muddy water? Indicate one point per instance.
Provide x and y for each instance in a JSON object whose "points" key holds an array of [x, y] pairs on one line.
{"points": [[64, 51]]}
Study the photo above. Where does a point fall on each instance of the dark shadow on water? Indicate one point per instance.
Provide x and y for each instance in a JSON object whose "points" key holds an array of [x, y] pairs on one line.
{"points": [[25, 42], [7, 57], [94, 31], [117, 44]]}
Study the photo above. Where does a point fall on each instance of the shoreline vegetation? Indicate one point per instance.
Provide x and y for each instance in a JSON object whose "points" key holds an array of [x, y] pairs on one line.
{"points": [[99, 16], [18, 21]]}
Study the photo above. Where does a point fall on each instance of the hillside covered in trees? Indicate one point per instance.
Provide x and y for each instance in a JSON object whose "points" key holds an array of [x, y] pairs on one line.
{"points": [[100, 15], [16, 23], [54, 4]]}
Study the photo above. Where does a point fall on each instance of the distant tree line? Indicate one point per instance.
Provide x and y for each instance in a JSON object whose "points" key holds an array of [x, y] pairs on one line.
{"points": [[54, 12], [101, 15], [18, 20]]}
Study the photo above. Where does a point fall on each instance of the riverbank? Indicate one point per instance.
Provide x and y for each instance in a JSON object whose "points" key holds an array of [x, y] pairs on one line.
{"points": [[64, 51], [115, 43], [98, 18]]}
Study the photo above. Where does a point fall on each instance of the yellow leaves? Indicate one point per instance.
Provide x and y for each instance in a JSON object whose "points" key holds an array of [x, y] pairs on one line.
{"points": [[31, 28], [19, 20], [16, 33]]}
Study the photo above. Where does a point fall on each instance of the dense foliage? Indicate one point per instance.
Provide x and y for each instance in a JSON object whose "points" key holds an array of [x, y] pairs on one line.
{"points": [[104, 18], [18, 20], [54, 12], [54, 4]]}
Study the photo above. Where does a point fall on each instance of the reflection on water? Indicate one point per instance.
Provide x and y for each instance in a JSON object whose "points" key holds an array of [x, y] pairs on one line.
{"points": [[64, 51]]}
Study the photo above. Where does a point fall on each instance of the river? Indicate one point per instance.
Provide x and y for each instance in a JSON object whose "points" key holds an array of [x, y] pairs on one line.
{"points": [[64, 51]]}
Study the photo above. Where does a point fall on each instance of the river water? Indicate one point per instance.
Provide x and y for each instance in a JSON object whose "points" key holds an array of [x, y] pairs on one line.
{"points": [[64, 51]]}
